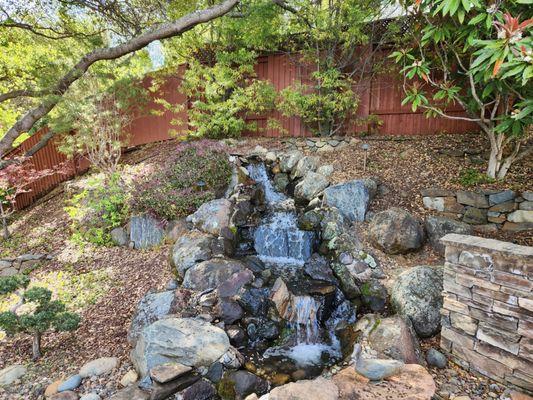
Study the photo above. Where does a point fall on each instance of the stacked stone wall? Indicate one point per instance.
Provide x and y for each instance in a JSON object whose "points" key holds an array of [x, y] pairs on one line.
{"points": [[487, 314]]}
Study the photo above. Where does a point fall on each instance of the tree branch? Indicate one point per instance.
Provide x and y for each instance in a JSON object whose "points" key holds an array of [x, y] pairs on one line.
{"points": [[159, 32], [22, 93]]}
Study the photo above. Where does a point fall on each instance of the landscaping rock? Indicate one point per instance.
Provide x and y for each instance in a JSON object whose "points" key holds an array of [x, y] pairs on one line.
{"points": [[377, 370], [396, 231], [52, 388], [210, 274], [305, 164], [521, 216], [212, 217], [478, 200], [187, 341], [310, 186], [475, 216], [416, 294], [131, 393], [436, 359], [10, 374], [351, 198], [190, 249], [437, 227], [288, 161], [98, 367], [501, 197], [242, 383], [229, 311], [281, 181], [151, 308], [70, 383], [325, 170], [166, 372], [129, 378], [390, 337], [90, 396], [146, 231], [200, 390], [120, 237], [374, 295], [316, 389]]}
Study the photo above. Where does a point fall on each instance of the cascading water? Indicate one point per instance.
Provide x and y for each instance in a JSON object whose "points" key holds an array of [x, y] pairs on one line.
{"points": [[278, 240]]}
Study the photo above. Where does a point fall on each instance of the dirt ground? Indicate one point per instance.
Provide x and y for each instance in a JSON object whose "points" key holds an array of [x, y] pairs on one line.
{"points": [[403, 166]]}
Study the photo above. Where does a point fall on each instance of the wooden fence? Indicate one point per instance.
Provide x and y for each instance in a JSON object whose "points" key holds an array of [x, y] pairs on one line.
{"points": [[380, 96]]}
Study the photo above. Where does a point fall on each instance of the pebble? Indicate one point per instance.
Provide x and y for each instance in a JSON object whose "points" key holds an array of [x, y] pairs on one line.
{"points": [[71, 383]]}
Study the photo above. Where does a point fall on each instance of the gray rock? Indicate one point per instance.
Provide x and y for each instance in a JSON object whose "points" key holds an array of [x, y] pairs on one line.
{"points": [[10, 374], [310, 220], [375, 369], [146, 231], [436, 359], [391, 337], [305, 164], [229, 311], [98, 367], [478, 200], [501, 197], [210, 274], [169, 371], [190, 249], [521, 216], [281, 181], [151, 308], [131, 393], [71, 383], [187, 341], [317, 267], [437, 227], [120, 237], [310, 186], [396, 231], [528, 196], [526, 205], [351, 198], [475, 216], [200, 390], [374, 295], [416, 294], [288, 161], [325, 170], [245, 383], [90, 396], [212, 217]]}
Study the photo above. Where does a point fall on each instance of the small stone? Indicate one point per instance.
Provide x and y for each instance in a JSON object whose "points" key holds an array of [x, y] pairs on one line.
{"points": [[98, 367], [90, 396], [436, 359], [71, 383], [120, 237], [129, 377], [10, 374]]}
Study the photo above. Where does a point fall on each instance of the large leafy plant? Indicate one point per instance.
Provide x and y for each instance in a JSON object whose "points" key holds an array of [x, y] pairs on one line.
{"points": [[477, 54]]}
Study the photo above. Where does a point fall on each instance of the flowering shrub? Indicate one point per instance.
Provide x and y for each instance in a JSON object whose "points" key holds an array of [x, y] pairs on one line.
{"points": [[198, 172]]}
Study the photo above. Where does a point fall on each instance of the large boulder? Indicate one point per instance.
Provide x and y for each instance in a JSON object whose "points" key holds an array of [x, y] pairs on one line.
{"points": [[211, 274], [190, 249], [416, 294], [289, 160], [212, 217], [146, 231], [351, 198], [151, 308], [187, 341], [437, 227], [396, 231], [390, 337], [310, 186], [306, 164]]}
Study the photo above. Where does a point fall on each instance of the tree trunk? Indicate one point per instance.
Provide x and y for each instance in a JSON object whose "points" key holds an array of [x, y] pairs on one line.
{"points": [[495, 160], [5, 229], [36, 346]]}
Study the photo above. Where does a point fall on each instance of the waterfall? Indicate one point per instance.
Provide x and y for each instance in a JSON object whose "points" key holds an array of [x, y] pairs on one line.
{"points": [[278, 239], [304, 318]]}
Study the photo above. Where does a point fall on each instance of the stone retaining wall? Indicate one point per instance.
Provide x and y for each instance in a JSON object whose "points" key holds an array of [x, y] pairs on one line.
{"points": [[13, 266], [487, 315], [491, 209]]}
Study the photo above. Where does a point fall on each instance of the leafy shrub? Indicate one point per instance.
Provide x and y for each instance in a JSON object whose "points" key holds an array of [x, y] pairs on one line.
{"points": [[473, 177], [96, 212], [196, 173], [36, 314]]}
